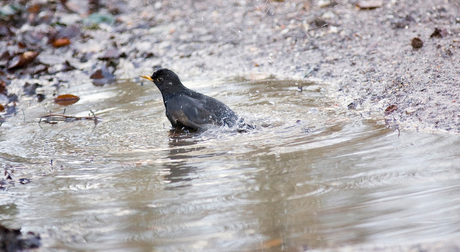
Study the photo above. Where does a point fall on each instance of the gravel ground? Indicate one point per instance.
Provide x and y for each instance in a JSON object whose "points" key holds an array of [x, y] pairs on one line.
{"points": [[366, 55], [361, 50]]}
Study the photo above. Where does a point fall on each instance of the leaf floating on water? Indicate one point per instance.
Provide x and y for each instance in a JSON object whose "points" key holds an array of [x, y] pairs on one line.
{"points": [[273, 243], [22, 60], [66, 99], [102, 77], [390, 109], [97, 75]]}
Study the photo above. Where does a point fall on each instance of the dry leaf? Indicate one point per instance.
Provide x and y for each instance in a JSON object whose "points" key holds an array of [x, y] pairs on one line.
{"points": [[66, 99], [390, 109], [3, 88], [1, 108], [60, 42], [97, 75], [22, 60], [35, 8]]}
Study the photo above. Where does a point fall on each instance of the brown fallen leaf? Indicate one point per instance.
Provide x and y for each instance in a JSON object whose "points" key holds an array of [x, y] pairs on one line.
{"points": [[3, 89], [390, 109], [97, 75], [66, 99], [35, 8], [22, 60], [60, 42], [1, 108], [21, 45]]}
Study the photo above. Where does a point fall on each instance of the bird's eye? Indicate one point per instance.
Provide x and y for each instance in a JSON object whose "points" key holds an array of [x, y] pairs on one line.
{"points": [[160, 79]]}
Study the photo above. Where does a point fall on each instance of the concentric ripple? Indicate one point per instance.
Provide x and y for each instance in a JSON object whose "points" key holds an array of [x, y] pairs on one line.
{"points": [[310, 175]]}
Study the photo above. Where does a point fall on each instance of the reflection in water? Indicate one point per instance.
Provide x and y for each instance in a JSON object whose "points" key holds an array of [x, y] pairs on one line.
{"points": [[180, 143], [308, 176]]}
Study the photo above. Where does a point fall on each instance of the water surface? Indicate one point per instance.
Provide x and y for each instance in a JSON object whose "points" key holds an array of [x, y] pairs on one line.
{"points": [[311, 175]]}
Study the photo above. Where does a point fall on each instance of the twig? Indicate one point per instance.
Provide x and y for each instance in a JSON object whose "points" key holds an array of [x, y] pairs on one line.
{"points": [[94, 116], [55, 118]]}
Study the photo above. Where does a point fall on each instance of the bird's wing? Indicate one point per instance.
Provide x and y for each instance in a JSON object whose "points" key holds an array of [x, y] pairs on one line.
{"points": [[189, 112]]}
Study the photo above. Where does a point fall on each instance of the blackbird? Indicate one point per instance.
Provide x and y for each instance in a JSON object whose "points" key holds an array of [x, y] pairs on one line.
{"points": [[187, 109]]}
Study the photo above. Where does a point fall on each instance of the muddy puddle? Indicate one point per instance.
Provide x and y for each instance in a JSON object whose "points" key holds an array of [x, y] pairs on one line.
{"points": [[311, 175]]}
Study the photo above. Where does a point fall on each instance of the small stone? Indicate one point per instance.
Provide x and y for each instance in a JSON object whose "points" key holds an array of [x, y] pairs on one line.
{"points": [[410, 110], [352, 106], [417, 43], [369, 4], [438, 33], [326, 3]]}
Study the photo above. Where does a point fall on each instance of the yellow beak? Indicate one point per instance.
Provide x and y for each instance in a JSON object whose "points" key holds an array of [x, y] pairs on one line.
{"points": [[147, 77]]}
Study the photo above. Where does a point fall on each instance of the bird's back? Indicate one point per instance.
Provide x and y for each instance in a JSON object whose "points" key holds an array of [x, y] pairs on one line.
{"points": [[195, 110]]}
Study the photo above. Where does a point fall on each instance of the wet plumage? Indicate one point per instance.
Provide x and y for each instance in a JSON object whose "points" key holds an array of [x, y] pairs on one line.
{"points": [[188, 109]]}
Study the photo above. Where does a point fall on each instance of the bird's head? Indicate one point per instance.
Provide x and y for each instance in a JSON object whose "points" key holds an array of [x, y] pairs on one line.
{"points": [[164, 79]]}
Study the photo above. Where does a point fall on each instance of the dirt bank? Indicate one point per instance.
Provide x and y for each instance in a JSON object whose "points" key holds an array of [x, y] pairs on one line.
{"points": [[365, 54], [362, 50]]}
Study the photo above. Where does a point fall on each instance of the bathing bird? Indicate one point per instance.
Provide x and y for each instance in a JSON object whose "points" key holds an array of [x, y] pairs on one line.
{"points": [[187, 109]]}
